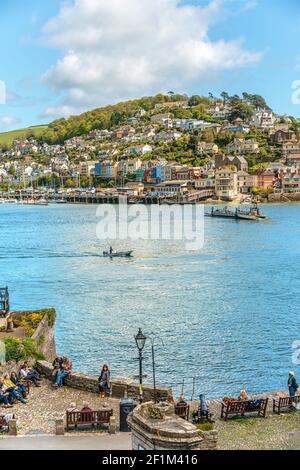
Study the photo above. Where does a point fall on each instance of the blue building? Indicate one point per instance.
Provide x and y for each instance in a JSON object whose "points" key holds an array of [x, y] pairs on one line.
{"points": [[157, 173]]}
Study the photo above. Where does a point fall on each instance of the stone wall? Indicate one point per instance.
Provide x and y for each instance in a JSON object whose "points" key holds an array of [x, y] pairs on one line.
{"points": [[43, 335], [45, 339], [167, 431], [286, 197], [120, 387]]}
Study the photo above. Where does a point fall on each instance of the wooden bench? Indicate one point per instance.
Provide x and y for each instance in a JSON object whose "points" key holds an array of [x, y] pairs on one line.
{"points": [[183, 411], [242, 407], [284, 403], [88, 418]]}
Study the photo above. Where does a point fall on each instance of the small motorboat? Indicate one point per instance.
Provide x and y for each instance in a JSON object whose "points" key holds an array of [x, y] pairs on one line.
{"points": [[117, 254]]}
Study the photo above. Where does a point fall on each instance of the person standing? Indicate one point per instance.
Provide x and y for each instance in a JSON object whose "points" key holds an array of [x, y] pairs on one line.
{"points": [[104, 381], [292, 384]]}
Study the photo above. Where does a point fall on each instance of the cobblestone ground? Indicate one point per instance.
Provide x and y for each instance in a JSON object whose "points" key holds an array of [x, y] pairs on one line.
{"points": [[45, 404]]}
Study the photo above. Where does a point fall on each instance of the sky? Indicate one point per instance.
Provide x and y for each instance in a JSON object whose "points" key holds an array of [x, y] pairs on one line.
{"points": [[60, 58]]}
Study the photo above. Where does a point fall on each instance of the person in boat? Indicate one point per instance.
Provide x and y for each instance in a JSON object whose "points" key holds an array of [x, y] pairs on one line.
{"points": [[104, 381], [110, 250]]}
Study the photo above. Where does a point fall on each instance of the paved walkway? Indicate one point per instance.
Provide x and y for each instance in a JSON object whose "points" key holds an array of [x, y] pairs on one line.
{"points": [[120, 441], [45, 404]]}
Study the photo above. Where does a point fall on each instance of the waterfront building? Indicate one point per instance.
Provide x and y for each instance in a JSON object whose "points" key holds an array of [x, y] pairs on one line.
{"points": [[246, 182], [87, 168], [266, 179], [226, 183], [172, 188], [130, 166], [207, 182], [291, 183]]}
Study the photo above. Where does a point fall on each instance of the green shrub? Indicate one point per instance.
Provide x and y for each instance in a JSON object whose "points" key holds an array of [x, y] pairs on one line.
{"points": [[14, 350], [21, 349], [30, 321]]}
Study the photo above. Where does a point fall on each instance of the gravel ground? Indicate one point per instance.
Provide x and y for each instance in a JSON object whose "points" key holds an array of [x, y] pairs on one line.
{"points": [[46, 403]]}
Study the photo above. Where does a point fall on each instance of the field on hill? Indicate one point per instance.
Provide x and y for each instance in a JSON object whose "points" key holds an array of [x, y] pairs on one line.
{"points": [[8, 137]]}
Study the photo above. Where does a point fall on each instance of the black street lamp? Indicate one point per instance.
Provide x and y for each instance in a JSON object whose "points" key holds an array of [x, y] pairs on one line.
{"points": [[152, 339], [140, 340]]}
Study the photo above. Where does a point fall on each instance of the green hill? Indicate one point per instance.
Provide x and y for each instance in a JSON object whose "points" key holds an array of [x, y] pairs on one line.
{"points": [[8, 137]]}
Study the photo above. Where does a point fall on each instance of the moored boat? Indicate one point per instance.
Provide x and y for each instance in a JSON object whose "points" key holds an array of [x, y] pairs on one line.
{"points": [[223, 213], [252, 214]]}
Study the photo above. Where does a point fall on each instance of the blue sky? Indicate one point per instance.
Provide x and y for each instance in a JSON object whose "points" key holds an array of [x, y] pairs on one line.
{"points": [[96, 52]]}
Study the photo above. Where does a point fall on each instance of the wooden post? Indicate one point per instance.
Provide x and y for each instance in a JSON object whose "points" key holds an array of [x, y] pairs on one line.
{"points": [[112, 425], [12, 427], [59, 427]]}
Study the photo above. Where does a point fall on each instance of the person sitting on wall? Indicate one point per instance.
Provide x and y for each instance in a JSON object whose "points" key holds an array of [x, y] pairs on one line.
{"points": [[28, 375], [32, 371], [11, 391], [4, 398], [64, 372], [20, 385], [57, 363], [104, 381]]}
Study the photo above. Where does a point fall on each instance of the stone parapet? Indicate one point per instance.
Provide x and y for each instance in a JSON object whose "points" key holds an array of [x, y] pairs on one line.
{"points": [[156, 427], [121, 387]]}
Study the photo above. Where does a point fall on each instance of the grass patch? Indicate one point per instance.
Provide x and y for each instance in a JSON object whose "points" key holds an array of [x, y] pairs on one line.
{"points": [[8, 137], [242, 421], [205, 426]]}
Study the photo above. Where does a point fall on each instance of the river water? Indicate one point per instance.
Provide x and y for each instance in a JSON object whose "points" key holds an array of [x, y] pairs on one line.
{"points": [[227, 314]]}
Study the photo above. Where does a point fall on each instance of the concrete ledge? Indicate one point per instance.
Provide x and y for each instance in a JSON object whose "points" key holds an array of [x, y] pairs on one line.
{"points": [[120, 387]]}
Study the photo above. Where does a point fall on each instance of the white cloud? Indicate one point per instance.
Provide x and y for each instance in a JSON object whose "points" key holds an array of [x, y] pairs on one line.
{"points": [[8, 121], [125, 48]]}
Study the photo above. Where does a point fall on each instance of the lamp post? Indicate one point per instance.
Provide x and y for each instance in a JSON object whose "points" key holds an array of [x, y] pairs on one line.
{"points": [[140, 340], [152, 339]]}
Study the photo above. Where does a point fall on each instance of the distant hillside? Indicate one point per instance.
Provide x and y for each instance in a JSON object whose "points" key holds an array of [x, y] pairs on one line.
{"points": [[114, 115], [111, 116], [8, 137], [103, 118]]}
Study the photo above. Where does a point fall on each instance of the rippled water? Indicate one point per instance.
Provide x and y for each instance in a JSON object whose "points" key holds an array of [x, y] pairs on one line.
{"points": [[227, 314]]}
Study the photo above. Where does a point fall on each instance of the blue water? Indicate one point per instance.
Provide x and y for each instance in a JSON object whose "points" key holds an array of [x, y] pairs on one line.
{"points": [[227, 314]]}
